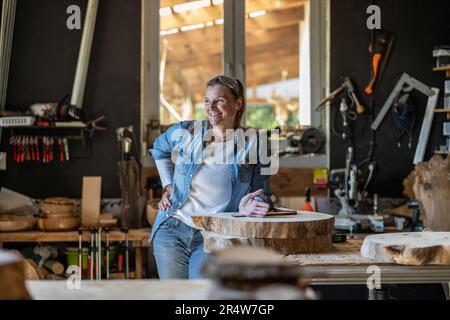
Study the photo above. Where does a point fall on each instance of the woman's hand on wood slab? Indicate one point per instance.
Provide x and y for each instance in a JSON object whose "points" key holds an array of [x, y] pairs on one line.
{"points": [[250, 205], [165, 204]]}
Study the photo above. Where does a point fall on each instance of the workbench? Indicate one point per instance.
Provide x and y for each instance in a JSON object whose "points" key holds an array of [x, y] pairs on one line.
{"points": [[148, 289], [344, 265], [138, 238]]}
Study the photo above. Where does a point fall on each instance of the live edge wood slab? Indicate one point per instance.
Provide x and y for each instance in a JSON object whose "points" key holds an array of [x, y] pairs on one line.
{"points": [[302, 233]]}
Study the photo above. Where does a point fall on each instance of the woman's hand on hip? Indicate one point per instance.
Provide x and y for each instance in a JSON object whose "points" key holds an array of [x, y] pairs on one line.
{"points": [[250, 206], [165, 204]]}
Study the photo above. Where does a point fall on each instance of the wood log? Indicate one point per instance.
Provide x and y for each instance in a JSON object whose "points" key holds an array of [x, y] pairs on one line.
{"points": [[217, 241], [408, 183], [245, 263], [54, 266], [411, 248], [33, 271], [52, 276], [12, 277], [300, 226], [432, 188]]}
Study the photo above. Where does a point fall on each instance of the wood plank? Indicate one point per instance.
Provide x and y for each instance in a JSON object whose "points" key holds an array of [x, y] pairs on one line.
{"points": [[69, 236], [347, 253], [303, 225]]}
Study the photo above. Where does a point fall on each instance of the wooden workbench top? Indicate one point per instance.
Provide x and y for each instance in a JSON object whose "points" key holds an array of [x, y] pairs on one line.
{"points": [[69, 236], [347, 253], [121, 290]]}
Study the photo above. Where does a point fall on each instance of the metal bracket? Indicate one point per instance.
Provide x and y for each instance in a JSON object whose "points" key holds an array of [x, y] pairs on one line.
{"points": [[426, 126], [406, 83]]}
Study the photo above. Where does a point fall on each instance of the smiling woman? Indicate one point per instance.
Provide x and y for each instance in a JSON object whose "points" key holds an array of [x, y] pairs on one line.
{"points": [[204, 186]]}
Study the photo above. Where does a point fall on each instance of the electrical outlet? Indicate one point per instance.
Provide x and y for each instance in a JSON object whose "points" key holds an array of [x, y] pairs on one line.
{"points": [[2, 160]]}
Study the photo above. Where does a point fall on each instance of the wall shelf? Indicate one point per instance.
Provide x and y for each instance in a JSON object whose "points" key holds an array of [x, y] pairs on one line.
{"points": [[444, 69]]}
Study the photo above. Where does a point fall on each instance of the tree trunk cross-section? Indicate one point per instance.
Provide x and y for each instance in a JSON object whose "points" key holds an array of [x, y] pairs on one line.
{"points": [[305, 232], [217, 241], [411, 248]]}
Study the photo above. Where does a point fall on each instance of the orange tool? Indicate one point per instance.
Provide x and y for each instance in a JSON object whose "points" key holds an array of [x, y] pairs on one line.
{"points": [[307, 206], [380, 51]]}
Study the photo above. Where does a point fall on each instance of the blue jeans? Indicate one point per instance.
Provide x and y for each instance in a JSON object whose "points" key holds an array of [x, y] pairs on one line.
{"points": [[178, 250]]}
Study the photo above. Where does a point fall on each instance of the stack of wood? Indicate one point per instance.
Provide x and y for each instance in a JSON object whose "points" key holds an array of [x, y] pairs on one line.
{"points": [[255, 274], [305, 232], [49, 270], [12, 277]]}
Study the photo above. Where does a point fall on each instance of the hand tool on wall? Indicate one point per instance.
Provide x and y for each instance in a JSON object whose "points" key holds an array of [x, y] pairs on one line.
{"points": [[36, 145], [66, 149], [380, 51], [92, 126], [133, 208], [347, 87]]}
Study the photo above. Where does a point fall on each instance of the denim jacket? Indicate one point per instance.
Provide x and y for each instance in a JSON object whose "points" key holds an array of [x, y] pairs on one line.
{"points": [[245, 178]]}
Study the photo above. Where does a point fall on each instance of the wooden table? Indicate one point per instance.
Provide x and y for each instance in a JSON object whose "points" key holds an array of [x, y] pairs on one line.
{"points": [[345, 265], [145, 289], [138, 238]]}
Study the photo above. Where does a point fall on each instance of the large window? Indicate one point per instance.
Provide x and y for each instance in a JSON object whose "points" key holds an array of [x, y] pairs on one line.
{"points": [[191, 45], [283, 63], [273, 39]]}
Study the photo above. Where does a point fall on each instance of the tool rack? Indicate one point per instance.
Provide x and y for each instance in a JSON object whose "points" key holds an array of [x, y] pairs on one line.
{"points": [[138, 238], [68, 130]]}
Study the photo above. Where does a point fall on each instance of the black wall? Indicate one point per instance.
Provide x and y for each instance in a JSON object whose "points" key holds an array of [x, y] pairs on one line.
{"points": [[418, 26], [43, 63]]}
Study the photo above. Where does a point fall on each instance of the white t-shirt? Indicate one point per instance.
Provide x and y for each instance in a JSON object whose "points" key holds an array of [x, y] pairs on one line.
{"points": [[210, 189]]}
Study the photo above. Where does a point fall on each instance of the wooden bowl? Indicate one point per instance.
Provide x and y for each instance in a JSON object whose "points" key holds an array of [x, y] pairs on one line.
{"points": [[11, 222], [58, 207], [59, 224]]}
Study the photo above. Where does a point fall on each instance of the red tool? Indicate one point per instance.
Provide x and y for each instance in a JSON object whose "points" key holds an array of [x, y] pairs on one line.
{"points": [[51, 142], [22, 156], [61, 150], [32, 148], [36, 144], [307, 206], [27, 148]]}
